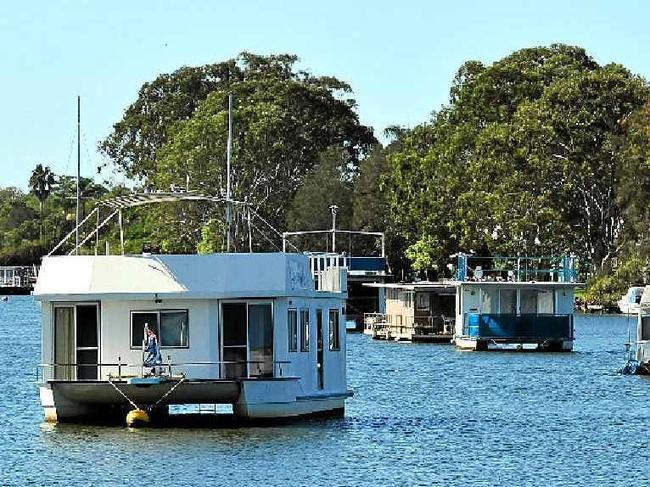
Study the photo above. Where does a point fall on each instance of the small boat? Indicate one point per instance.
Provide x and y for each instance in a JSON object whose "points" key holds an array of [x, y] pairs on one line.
{"points": [[629, 302]]}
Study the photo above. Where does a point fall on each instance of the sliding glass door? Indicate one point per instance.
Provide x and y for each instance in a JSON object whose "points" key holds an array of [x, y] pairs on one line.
{"points": [[247, 339], [76, 341]]}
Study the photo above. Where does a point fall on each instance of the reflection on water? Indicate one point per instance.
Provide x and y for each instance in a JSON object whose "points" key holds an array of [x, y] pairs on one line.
{"points": [[421, 415]]}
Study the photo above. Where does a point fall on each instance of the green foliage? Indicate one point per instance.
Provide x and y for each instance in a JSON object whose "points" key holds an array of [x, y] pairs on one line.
{"points": [[526, 158], [283, 120], [607, 288]]}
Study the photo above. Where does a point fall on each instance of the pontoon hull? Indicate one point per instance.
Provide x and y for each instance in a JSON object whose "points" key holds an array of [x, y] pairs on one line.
{"points": [[527, 345], [98, 401]]}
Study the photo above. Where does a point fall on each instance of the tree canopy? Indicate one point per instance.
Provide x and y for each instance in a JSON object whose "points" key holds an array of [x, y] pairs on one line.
{"points": [[525, 158], [284, 118]]}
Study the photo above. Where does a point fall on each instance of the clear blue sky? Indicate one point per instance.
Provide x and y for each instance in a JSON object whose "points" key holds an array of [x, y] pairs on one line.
{"points": [[399, 56]]}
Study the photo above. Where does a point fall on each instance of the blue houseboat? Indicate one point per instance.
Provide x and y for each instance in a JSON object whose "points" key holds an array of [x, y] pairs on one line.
{"points": [[519, 303]]}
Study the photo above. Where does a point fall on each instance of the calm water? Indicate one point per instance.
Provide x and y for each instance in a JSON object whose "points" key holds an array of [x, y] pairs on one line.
{"points": [[421, 415]]}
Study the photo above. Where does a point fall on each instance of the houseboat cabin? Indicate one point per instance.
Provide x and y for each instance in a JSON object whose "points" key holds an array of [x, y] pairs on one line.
{"points": [[522, 303], [249, 330], [423, 311], [519, 315]]}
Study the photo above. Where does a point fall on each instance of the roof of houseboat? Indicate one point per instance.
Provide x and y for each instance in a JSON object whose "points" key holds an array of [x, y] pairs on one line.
{"points": [[446, 285], [183, 276]]}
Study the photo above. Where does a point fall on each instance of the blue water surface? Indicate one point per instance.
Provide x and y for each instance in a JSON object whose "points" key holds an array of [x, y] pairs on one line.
{"points": [[421, 415]]}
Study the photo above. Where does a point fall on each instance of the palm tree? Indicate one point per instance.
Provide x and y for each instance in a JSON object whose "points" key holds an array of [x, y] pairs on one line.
{"points": [[40, 183]]}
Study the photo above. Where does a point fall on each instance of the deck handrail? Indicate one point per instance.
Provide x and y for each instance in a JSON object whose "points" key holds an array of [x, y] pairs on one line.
{"points": [[164, 365]]}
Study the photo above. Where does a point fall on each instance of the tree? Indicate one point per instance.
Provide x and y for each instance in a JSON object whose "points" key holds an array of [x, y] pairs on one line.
{"points": [[283, 120], [325, 185], [524, 159], [136, 140], [41, 182]]}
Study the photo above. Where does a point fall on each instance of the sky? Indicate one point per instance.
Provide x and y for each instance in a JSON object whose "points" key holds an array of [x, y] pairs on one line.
{"points": [[399, 56]]}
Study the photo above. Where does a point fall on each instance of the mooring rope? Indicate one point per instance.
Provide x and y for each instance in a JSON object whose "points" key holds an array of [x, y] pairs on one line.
{"points": [[135, 406], [168, 392]]}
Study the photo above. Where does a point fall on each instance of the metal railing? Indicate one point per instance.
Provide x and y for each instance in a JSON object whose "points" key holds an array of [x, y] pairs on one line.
{"points": [[424, 325], [165, 369]]}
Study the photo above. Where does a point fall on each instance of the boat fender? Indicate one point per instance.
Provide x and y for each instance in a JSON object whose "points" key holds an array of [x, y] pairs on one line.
{"points": [[137, 417]]}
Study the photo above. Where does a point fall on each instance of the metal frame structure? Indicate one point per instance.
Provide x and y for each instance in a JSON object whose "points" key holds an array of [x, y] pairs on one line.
{"points": [[118, 204]]}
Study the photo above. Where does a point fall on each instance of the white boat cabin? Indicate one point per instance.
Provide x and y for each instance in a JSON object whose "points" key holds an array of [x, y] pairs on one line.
{"points": [[249, 330]]}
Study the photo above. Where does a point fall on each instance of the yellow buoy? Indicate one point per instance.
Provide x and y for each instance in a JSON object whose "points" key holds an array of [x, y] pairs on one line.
{"points": [[137, 417]]}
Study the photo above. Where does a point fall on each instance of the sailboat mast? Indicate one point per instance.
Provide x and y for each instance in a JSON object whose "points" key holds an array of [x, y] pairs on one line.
{"points": [[78, 172]]}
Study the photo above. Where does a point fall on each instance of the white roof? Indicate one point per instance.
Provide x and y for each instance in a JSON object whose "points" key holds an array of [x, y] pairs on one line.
{"points": [[187, 276], [443, 285]]}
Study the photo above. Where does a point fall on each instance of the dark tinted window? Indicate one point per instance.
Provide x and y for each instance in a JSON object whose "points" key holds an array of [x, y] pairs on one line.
{"points": [[234, 324], [174, 330], [138, 321], [86, 326]]}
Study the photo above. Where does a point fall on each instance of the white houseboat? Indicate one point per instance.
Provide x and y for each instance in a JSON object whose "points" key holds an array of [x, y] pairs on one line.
{"points": [[249, 330]]}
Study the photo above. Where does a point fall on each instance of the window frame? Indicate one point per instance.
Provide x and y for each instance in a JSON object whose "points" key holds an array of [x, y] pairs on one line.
{"points": [[334, 345], [292, 345], [304, 341], [159, 312]]}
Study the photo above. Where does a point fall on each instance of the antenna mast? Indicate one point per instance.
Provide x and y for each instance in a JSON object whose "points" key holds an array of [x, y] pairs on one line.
{"points": [[228, 152], [78, 172]]}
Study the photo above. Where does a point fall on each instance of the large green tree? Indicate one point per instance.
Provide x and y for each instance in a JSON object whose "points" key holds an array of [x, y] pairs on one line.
{"points": [[524, 159], [284, 118]]}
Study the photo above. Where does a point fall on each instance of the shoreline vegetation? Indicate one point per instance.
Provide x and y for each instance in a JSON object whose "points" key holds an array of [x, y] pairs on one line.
{"points": [[542, 152]]}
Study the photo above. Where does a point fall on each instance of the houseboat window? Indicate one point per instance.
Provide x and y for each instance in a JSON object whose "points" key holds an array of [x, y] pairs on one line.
{"points": [[173, 329], [63, 342], [87, 341], [87, 326], [170, 326], [528, 301], [292, 320], [407, 298], [422, 301], [335, 343], [508, 301], [319, 334], [138, 320], [304, 330], [545, 302], [488, 300], [645, 328]]}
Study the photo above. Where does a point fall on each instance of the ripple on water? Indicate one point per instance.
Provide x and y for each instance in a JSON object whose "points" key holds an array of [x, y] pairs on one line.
{"points": [[421, 415]]}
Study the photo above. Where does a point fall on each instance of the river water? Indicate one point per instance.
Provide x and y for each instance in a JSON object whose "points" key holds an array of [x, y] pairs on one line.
{"points": [[421, 415]]}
